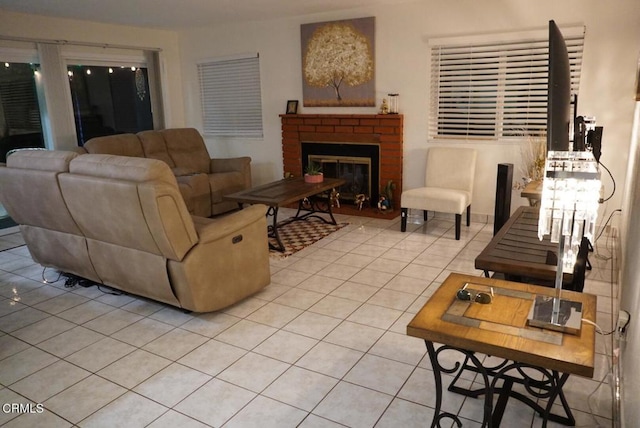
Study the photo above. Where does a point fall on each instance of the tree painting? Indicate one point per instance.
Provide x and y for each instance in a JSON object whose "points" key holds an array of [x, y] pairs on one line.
{"points": [[338, 63]]}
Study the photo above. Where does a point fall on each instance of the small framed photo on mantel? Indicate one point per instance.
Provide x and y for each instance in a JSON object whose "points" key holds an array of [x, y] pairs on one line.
{"points": [[292, 107]]}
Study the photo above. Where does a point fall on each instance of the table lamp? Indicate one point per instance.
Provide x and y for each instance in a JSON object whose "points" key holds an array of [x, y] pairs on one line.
{"points": [[568, 211]]}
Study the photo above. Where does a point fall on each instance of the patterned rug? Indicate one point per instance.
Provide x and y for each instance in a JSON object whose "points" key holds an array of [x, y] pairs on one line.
{"points": [[300, 234]]}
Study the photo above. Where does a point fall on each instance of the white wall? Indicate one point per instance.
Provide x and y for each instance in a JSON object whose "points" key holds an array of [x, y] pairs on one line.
{"points": [[612, 43], [629, 290], [16, 25]]}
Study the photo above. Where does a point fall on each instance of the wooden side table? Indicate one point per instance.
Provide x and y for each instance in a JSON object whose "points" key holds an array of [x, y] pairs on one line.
{"points": [[500, 329], [533, 192]]}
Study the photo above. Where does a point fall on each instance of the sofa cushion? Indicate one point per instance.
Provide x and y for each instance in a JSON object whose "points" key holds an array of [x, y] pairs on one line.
{"points": [[43, 160], [120, 144], [134, 203], [30, 192], [187, 149], [124, 168], [155, 147]]}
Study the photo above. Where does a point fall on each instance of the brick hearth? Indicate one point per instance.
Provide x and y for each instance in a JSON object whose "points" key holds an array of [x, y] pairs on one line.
{"points": [[383, 130]]}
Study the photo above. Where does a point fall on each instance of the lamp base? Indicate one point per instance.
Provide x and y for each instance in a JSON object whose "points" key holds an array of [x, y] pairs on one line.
{"points": [[568, 319]]}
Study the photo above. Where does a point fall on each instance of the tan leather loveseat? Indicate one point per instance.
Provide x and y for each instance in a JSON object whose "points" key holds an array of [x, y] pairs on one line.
{"points": [[121, 221], [202, 181]]}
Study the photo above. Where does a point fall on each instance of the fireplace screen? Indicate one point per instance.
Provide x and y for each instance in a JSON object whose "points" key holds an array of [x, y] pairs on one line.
{"points": [[355, 170]]}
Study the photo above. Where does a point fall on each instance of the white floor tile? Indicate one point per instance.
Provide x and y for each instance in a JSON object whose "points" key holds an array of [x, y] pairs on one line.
{"points": [[134, 368], [353, 405], [100, 354], [253, 371], [312, 325], [87, 396], [285, 346], [228, 399], [47, 382], [175, 344], [142, 332], [172, 419], [246, 334], [172, 384], [280, 415], [212, 357], [300, 388], [331, 360], [355, 336], [327, 336], [24, 363], [130, 410], [380, 374]]}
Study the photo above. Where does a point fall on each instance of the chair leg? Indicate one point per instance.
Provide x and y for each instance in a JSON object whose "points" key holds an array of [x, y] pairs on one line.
{"points": [[469, 216], [458, 221], [425, 215], [403, 219]]}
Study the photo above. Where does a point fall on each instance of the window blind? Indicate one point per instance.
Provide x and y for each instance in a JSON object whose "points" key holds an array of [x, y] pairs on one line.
{"points": [[20, 105], [231, 97], [494, 90]]}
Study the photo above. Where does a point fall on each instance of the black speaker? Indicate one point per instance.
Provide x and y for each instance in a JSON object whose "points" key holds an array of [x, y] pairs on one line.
{"points": [[595, 141], [504, 182], [579, 134]]}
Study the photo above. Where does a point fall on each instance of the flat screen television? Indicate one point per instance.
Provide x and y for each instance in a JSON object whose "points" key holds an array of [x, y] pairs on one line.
{"points": [[559, 92]]}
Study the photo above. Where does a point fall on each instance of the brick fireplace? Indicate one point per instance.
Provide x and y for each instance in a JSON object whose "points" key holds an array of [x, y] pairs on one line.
{"points": [[348, 130]]}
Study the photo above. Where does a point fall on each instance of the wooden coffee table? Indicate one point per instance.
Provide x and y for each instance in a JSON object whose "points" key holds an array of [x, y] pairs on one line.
{"points": [[289, 191]]}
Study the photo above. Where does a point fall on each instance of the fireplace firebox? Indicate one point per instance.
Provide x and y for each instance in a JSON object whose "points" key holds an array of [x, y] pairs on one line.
{"points": [[358, 164]]}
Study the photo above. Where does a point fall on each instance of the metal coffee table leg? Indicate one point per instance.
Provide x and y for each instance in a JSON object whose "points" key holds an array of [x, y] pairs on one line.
{"points": [[273, 230]]}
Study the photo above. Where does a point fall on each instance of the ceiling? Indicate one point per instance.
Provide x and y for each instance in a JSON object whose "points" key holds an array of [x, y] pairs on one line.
{"points": [[177, 14]]}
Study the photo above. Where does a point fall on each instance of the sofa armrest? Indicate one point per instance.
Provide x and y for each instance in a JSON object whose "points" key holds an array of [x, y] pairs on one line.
{"points": [[241, 164], [210, 230]]}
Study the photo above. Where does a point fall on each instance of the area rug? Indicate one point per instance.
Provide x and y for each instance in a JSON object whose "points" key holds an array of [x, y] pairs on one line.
{"points": [[300, 234]]}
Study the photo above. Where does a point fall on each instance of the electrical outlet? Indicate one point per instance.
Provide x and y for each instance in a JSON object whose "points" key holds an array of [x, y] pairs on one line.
{"points": [[623, 322]]}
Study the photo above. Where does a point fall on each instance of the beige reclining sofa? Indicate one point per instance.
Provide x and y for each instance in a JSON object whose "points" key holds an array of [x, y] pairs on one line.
{"points": [[121, 221], [202, 181]]}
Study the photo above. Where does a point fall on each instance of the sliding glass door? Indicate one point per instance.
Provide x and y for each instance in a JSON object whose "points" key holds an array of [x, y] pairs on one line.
{"points": [[20, 124], [109, 100]]}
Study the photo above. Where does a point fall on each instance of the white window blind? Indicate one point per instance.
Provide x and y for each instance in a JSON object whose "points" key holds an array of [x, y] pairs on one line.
{"points": [[231, 97], [495, 90]]}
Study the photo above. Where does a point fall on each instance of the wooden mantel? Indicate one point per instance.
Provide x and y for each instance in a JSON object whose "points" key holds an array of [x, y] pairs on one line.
{"points": [[383, 130]]}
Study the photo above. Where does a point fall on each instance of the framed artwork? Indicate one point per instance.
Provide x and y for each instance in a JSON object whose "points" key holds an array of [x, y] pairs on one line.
{"points": [[292, 106], [338, 63]]}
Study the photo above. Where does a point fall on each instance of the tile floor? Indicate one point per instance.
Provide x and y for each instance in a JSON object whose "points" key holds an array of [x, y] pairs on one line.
{"points": [[323, 346]]}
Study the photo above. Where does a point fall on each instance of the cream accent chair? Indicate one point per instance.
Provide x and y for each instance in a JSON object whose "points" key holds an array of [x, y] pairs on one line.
{"points": [[448, 185]]}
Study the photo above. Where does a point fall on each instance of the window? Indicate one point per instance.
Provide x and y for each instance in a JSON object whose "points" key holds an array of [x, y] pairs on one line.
{"points": [[231, 97], [20, 125], [109, 100], [494, 89]]}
